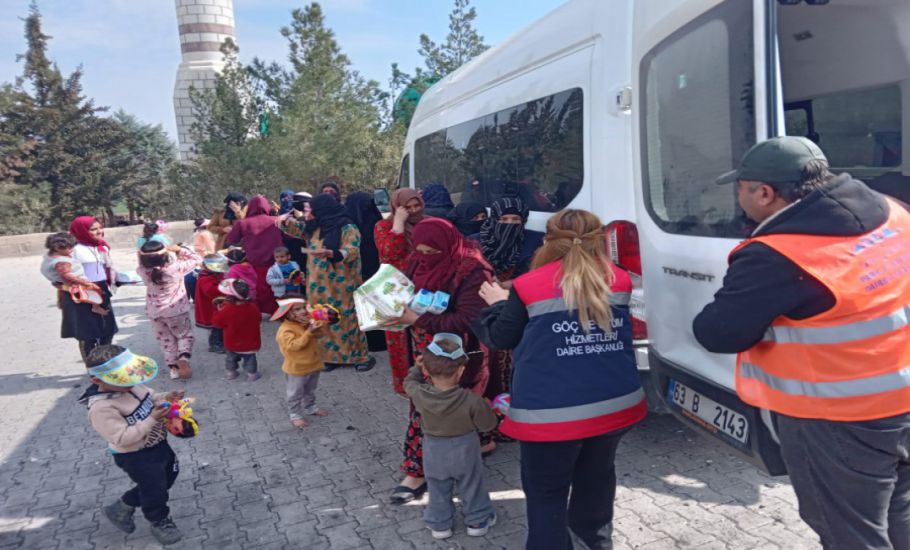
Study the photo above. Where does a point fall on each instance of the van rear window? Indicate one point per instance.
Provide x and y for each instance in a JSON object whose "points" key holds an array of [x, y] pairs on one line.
{"points": [[697, 121], [534, 150]]}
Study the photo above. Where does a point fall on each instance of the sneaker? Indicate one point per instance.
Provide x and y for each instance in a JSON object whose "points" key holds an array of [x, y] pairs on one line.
{"points": [[253, 376], [175, 373], [440, 535], [121, 515], [231, 375], [217, 349], [480, 529], [166, 532]]}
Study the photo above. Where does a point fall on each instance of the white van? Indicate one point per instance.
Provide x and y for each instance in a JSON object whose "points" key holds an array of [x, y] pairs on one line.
{"points": [[631, 109]]}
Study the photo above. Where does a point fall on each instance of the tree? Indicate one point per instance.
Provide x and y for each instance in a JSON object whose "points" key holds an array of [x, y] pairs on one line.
{"points": [[228, 114], [140, 167], [324, 119], [58, 157], [462, 44]]}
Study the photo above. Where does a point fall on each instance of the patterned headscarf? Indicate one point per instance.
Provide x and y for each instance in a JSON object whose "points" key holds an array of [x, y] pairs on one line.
{"points": [[501, 242]]}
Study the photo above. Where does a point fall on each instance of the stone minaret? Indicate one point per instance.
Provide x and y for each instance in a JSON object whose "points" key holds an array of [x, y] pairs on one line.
{"points": [[204, 25]]}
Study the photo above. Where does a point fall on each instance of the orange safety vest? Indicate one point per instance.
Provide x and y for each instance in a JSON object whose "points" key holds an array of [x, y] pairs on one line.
{"points": [[849, 363]]}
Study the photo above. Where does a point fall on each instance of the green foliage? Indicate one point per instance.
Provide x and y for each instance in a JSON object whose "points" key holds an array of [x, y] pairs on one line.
{"points": [[462, 44], [58, 156], [325, 120]]}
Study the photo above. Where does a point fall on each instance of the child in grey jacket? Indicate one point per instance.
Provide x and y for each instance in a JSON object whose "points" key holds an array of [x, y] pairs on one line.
{"points": [[451, 420]]}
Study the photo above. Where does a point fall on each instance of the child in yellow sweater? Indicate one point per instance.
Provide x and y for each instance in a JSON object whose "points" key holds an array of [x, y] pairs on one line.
{"points": [[298, 341]]}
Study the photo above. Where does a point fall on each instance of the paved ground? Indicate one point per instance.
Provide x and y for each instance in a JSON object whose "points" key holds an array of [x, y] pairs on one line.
{"points": [[252, 481]]}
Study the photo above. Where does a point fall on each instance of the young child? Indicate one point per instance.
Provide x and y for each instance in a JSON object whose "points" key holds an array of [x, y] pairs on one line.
{"points": [[214, 266], [279, 274], [167, 304], [128, 415], [154, 231], [239, 317], [241, 269], [63, 271], [297, 341], [451, 420]]}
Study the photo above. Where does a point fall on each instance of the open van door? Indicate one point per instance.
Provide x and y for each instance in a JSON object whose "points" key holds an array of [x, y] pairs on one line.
{"points": [[705, 90]]}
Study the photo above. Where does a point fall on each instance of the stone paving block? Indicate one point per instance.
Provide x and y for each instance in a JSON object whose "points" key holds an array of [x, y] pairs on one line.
{"points": [[251, 480]]}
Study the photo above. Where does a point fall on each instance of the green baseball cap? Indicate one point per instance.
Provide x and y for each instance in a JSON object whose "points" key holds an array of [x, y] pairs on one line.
{"points": [[777, 160]]}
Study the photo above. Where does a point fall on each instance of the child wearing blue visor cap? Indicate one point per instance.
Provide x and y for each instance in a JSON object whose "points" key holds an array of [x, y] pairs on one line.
{"points": [[451, 419], [129, 416]]}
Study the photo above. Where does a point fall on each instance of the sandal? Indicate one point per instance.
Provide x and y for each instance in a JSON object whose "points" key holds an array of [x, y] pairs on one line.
{"points": [[402, 494], [364, 367]]}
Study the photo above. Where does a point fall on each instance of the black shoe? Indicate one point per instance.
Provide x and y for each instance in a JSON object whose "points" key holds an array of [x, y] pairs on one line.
{"points": [[217, 349], [121, 515], [402, 494], [166, 532], [329, 367], [364, 367]]}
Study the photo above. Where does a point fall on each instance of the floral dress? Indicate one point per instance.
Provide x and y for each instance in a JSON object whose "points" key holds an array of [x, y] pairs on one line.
{"points": [[394, 249], [334, 284]]}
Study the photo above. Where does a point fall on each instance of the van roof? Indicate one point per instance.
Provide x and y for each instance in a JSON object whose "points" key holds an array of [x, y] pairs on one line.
{"points": [[561, 30]]}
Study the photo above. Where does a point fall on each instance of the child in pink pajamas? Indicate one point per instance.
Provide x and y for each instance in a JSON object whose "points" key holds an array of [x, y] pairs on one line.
{"points": [[167, 305]]}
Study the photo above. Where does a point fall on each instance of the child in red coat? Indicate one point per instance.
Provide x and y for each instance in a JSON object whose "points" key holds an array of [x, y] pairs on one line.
{"points": [[210, 276], [242, 269], [239, 317]]}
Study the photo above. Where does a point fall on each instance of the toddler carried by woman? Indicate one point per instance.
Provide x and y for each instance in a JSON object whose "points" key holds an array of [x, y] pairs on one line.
{"points": [[66, 273], [167, 304]]}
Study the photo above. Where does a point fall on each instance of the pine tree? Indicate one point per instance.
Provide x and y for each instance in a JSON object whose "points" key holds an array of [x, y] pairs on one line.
{"points": [[63, 138], [462, 44]]}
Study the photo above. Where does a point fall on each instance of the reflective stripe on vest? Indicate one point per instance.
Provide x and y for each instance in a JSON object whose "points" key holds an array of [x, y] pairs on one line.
{"points": [[846, 388], [849, 332], [554, 305], [852, 361], [578, 412]]}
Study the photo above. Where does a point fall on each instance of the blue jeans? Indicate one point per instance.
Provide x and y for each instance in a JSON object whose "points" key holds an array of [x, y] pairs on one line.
{"points": [[232, 362]]}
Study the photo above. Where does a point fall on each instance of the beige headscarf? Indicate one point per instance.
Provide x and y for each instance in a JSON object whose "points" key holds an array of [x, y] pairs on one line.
{"points": [[400, 198]]}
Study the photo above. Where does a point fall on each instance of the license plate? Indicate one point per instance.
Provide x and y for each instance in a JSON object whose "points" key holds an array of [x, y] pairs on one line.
{"points": [[707, 413]]}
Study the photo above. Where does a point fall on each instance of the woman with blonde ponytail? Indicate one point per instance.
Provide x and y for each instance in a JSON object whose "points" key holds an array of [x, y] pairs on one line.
{"points": [[575, 386]]}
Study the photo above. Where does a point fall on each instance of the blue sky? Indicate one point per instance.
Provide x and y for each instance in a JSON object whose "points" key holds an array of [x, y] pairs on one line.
{"points": [[130, 51]]}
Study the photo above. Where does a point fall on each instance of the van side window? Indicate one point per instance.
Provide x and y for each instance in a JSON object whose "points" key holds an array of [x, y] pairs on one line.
{"points": [[534, 150], [697, 121], [404, 176]]}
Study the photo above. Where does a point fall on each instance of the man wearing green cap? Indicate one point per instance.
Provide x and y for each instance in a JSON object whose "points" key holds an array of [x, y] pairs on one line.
{"points": [[816, 305]]}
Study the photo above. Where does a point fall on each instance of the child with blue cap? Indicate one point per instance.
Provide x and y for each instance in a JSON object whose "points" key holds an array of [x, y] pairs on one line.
{"points": [[451, 419]]}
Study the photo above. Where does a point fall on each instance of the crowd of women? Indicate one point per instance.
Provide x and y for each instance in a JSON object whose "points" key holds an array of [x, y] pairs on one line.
{"points": [[506, 285]]}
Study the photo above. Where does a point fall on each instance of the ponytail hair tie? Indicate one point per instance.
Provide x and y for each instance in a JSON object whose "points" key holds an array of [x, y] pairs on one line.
{"points": [[576, 240]]}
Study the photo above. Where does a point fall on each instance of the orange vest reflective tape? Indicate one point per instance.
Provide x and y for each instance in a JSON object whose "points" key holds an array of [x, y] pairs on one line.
{"points": [[849, 363]]}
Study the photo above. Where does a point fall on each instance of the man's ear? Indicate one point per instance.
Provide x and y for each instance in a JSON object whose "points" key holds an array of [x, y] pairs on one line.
{"points": [[768, 194]]}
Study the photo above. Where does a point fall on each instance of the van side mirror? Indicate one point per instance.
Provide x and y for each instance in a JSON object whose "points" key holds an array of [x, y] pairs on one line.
{"points": [[383, 199]]}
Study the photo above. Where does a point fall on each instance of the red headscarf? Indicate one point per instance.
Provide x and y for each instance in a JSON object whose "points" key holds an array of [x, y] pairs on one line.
{"points": [[79, 229], [446, 270]]}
